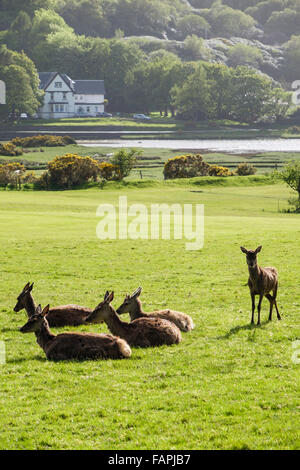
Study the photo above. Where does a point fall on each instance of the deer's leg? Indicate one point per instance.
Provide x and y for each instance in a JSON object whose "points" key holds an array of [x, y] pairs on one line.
{"points": [[259, 308], [275, 303], [253, 307], [271, 300]]}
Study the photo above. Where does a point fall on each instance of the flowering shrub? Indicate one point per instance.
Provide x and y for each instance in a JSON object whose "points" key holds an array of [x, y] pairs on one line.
{"points": [[10, 150], [72, 170], [108, 171], [245, 169], [215, 170], [186, 166], [43, 141], [11, 173]]}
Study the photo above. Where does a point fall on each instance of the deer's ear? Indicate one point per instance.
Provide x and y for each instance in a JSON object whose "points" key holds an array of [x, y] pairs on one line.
{"points": [[244, 250], [137, 292], [106, 295], [110, 297], [46, 310], [30, 287], [38, 309], [26, 286], [258, 249]]}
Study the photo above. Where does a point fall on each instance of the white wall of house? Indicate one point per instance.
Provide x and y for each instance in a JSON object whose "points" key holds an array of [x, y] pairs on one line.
{"points": [[89, 104], [60, 101]]}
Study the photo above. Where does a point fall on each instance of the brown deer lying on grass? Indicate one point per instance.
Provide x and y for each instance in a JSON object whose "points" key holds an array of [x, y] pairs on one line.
{"points": [[261, 282], [79, 346], [64, 315], [133, 306], [143, 332]]}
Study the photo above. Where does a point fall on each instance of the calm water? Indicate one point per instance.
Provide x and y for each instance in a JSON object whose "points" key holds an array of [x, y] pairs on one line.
{"points": [[228, 146]]}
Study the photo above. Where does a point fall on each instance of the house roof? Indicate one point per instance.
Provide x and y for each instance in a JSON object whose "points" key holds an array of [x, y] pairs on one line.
{"points": [[80, 87], [47, 77], [89, 87]]}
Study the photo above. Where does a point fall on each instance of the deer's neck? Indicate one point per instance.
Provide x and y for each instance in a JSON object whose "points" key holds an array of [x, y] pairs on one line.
{"points": [[254, 273], [29, 305], [44, 336], [136, 310], [115, 325]]}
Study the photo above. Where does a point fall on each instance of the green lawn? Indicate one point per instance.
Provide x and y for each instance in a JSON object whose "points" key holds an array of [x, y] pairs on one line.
{"points": [[151, 160], [228, 385]]}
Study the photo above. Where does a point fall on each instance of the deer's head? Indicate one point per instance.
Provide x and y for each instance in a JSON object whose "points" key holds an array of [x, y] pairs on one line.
{"points": [[36, 321], [22, 297], [102, 311], [129, 302], [251, 256]]}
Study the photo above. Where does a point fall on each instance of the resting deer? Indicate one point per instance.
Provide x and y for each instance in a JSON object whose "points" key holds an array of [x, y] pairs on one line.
{"points": [[133, 306], [68, 346], [261, 282], [64, 315], [143, 332]]}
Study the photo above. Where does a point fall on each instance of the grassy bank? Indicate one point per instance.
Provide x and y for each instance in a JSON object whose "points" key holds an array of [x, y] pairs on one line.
{"points": [[228, 385]]}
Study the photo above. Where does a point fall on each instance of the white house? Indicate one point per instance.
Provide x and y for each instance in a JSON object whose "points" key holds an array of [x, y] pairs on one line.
{"points": [[65, 97]]}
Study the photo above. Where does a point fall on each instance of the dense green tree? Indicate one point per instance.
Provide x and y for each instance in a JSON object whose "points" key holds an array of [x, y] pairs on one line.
{"points": [[22, 83], [193, 24], [192, 99], [291, 68], [242, 54], [252, 96], [226, 21]]}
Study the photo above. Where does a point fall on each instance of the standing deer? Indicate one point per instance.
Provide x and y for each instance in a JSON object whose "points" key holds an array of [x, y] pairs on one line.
{"points": [[143, 332], [133, 306], [79, 346], [64, 315], [261, 282]]}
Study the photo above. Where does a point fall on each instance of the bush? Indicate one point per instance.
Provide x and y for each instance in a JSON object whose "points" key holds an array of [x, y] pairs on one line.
{"points": [[11, 173], [245, 169], [185, 166], [124, 160], [71, 170], [215, 170], [10, 150], [108, 171], [43, 141], [294, 130]]}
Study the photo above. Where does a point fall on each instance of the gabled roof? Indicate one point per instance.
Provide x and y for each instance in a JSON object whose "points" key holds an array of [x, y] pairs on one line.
{"points": [[89, 87], [47, 77]]}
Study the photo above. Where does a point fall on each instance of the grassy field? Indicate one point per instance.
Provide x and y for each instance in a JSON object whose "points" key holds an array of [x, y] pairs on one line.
{"points": [[228, 385], [150, 161]]}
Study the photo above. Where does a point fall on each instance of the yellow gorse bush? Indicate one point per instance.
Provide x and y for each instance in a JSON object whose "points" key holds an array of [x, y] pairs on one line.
{"points": [[185, 166], [43, 141], [10, 173], [72, 170]]}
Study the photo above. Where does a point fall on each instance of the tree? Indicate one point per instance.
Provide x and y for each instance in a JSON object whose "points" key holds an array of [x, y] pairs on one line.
{"points": [[291, 176], [124, 160], [22, 83], [193, 98], [228, 22], [193, 24], [252, 95], [195, 49], [242, 54], [292, 58]]}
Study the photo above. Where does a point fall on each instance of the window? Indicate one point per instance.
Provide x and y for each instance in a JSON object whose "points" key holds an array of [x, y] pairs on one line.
{"points": [[61, 108], [58, 85], [64, 96], [88, 109]]}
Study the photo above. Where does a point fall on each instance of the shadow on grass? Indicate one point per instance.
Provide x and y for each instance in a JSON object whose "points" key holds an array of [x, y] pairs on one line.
{"points": [[236, 329]]}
